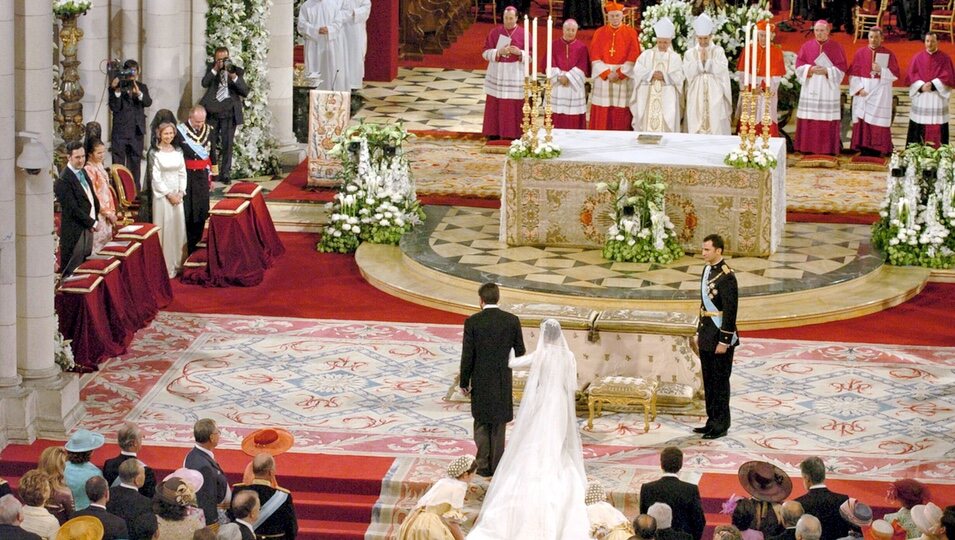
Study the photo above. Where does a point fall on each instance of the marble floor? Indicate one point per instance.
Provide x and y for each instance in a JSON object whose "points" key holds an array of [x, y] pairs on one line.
{"points": [[463, 242]]}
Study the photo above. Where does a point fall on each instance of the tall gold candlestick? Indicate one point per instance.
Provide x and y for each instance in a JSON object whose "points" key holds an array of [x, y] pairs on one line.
{"points": [[548, 112], [526, 109], [767, 120]]}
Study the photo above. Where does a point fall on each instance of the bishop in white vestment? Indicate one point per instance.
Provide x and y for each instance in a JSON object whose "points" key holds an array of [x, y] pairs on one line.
{"points": [[659, 77], [356, 40], [321, 22], [708, 97]]}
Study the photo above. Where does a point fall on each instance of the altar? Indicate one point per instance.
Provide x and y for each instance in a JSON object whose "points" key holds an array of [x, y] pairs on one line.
{"points": [[554, 202]]}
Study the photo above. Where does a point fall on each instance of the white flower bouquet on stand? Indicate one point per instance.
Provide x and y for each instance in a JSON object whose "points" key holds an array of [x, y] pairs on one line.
{"points": [[641, 230], [67, 8]]}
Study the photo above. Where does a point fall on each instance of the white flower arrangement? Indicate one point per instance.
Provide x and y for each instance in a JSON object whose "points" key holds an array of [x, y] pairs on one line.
{"points": [[66, 8], [917, 215], [242, 27], [62, 350], [377, 202], [544, 150], [641, 230], [761, 159]]}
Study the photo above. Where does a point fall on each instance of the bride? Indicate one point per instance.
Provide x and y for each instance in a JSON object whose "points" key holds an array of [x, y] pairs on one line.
{"points": [[538, 487]]}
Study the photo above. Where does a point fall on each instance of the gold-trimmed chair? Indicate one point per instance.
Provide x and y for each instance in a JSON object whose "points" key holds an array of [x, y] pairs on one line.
{"points": [[866, 19], [127, 196], [942, 21]]}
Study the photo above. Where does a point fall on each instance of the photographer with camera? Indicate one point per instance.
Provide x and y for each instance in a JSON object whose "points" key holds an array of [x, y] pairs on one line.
{"points": [[128, 99], [225, 89]]}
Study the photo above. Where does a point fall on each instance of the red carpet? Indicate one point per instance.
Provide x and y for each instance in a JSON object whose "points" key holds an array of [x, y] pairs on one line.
{"points": [[308, 284], [334, 495], [923, 320], [293, 189], [810, 217]]}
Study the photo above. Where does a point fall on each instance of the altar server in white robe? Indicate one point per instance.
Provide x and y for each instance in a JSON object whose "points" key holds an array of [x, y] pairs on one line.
{"points": [[356, 40], [708, 97], [659, 77], [322, 23]]}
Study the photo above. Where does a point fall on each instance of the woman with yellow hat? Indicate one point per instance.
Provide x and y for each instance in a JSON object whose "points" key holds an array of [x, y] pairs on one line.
{"points": [[437, 514]]}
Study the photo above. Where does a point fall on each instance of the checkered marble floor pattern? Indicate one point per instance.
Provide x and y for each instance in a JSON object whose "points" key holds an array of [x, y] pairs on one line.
{"points": [[464, 242], [428, 99]]}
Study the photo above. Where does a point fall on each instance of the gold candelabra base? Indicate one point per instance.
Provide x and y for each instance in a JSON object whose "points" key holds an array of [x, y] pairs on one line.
{"points": [[537, 99], [749, 128]]}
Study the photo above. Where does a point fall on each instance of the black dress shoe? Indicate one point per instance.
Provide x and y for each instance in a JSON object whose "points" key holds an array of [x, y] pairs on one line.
{"points": [[714, 435], [703, 429]]}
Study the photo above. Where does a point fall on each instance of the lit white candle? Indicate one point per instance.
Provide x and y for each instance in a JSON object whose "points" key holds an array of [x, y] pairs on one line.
{"points": [[755, 57], [746, 58], [550, 45], [534, 45], [527, 40], [769, 30]]}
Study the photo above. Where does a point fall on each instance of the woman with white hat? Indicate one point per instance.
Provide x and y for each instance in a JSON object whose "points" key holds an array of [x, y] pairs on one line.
{"points": [[438, 513], [928, 518], [78, 469]]}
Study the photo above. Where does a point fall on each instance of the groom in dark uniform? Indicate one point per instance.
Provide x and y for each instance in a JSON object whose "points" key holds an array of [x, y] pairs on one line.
{"points": [[489, 337], [716, 336]]}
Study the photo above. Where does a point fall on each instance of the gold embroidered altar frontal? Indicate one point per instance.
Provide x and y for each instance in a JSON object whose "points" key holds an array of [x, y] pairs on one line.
{"points": [[555, 202]]}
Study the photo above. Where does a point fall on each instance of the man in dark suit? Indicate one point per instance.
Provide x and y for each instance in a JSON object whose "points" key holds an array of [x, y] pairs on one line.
{"points": [[820, 502], [79, 208], [225, 90], [645, 526], [245, 508], [716, 337], [125, 500], [489, 337], [201, 458], [128, 100], [114, 527], [280, 523], [664, 516], [792, 511], [130, 441], [11, 514], [682, 497]]}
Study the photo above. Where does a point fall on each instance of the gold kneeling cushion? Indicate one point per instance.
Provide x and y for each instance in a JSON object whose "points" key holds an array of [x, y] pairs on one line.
{"points": [[674, 394]]}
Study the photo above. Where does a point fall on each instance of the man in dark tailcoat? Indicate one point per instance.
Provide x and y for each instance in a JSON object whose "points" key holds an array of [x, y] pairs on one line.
{"points": [[820, 502], [78, 210], [225, 91], [125, 499], [130, 441], [682, 497], [716, 337], [489, 337], [200, 458], [196, 139]]}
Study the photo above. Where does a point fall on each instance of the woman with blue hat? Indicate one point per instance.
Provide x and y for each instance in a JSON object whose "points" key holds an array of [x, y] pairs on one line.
{"points": [[78, 468]]}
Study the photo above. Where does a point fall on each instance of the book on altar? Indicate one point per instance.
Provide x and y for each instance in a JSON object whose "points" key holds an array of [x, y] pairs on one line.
{"points": [[502, 41], [882, 59], [823, 61]]}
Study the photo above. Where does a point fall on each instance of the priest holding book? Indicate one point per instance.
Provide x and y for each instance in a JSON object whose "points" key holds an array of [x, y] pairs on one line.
{"points": [[820, 66], [504, 83], [871, 74]]}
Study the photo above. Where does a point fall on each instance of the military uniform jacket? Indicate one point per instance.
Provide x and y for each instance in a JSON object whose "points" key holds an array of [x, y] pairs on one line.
{"points": [[281, 524], [203, 138], [724, 292]]}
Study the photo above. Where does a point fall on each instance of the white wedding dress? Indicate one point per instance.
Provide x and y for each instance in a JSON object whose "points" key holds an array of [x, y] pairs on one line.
{"points": [[538, 488]]}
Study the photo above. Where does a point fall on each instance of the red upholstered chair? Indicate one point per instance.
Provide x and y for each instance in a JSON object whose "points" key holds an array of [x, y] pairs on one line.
{"points": [[943, 20], [127, 196]]}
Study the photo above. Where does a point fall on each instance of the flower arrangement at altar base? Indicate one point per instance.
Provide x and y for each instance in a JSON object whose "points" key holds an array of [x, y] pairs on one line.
{"points": [[917, 215], [729, 23], [544, 149], [62, 350], [641, 230], [66, 8], [760, 158], [377, 201]]}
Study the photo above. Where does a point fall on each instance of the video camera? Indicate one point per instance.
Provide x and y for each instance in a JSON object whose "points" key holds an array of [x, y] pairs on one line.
{"points": [[119, 70]]}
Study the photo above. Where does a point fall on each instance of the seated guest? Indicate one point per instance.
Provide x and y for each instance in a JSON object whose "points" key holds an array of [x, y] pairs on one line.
{"points": [[81, 528], [277, 518], [908, 493], [78, 468], [744, 519], [820, 502], [768, 485], [144, 527], [664, 516], [5, 488], [645, 527], [97, 490], [53, 463], [857, 515], [948, 522], [172, 505], [10, 517], [96, 172], [125, 500], [438, 514], [928, 518], [204, 534], [606, 522], [791, 512], [229, 531], [883, 530], [245, 508], [808, 528], [34, 491], [273, 441], [727, 532], [683, 497], [130, 441]]}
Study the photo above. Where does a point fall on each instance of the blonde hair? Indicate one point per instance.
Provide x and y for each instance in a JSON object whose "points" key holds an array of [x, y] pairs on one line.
{"points": [[52, 462], [35, 488]]}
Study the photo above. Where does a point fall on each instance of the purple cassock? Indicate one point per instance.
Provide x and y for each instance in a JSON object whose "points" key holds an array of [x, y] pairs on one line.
{"points": [[929, 116], [872, 112], [820, 110], [569, 102]]}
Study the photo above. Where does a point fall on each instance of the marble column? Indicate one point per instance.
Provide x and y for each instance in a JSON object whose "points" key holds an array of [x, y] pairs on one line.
{"points": [[162, 53], [92, 54], [58, 407], [131, 29], [197, 51], [281, 43]]}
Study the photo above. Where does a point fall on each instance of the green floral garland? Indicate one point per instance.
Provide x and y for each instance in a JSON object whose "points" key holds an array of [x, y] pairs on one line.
{"points": [[242, 26], [641, 230]]}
